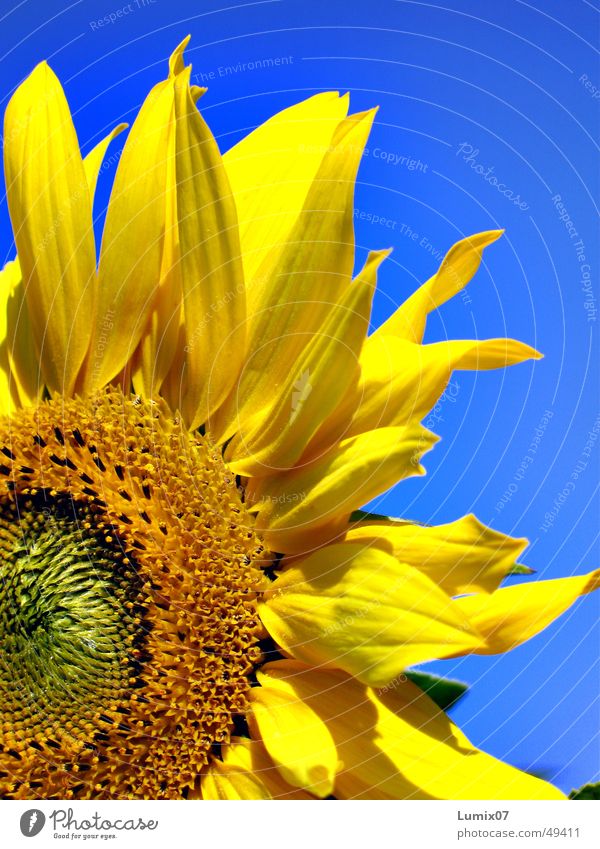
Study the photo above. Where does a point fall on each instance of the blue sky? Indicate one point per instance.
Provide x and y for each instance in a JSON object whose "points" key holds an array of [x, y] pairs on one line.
{"points": [[488, 118]]}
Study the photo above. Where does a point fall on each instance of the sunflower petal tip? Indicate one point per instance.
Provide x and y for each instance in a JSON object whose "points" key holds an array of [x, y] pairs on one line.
{"points": [[120, 128], [41, 71], [491, 236], [197, 91], [344, 102], [593, 581], [482, 239]]}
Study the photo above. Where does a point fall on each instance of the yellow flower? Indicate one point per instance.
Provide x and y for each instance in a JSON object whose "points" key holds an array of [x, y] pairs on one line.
{"points": [[190, 605]]}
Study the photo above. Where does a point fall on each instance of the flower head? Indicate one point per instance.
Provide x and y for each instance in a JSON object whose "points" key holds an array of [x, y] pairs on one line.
{"points": [[191, 602]]}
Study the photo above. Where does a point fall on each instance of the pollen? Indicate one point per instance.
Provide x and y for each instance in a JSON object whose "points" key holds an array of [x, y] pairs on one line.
{"points": [[129, 574]]}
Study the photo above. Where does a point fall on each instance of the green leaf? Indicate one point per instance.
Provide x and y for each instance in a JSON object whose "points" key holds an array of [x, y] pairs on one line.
{"points": [[588, 791], [445, 692], [519, 569]]}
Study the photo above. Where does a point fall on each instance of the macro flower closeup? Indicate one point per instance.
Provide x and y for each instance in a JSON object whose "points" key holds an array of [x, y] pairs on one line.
{"points": [[192, 602]]}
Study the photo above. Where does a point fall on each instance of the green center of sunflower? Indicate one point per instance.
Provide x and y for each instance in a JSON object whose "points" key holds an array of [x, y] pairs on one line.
{"points": [[70, 615]]}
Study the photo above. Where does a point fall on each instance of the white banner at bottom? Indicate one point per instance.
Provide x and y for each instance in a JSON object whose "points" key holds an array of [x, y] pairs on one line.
{"points": [[278, 825]]}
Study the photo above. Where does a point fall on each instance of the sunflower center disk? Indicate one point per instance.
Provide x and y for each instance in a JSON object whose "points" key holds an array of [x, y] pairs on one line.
{"points": [[129, 575]]}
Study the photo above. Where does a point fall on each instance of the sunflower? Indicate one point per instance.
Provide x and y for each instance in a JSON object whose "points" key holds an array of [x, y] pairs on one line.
{"points": [[192, 603]]}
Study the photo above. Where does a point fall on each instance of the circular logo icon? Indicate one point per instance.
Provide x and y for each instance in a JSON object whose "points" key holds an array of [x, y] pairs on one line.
{"points": [[32, 822]]}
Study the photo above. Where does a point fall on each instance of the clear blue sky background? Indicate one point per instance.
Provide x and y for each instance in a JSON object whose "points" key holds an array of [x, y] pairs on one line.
{"points": [[509, 80]]}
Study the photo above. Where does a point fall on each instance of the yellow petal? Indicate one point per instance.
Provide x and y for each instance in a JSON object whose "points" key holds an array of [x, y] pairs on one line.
{"points": [[163, 339], [9, 401], [161, 347], [214, 301], [51, 213], [296, 508], [396, 744], [94, 160], [314, 386], [457, 268], [170, 236], [223, 782], [317, 257], [358, 609], [509, 616], [19, 346], [19, 355], [296, 739], [272, 169], [139, 285], [7, 405], [299, 283], [480, 354], [401, 381], [133, 240], [176, 60], [250, 756], [461, 557]]}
